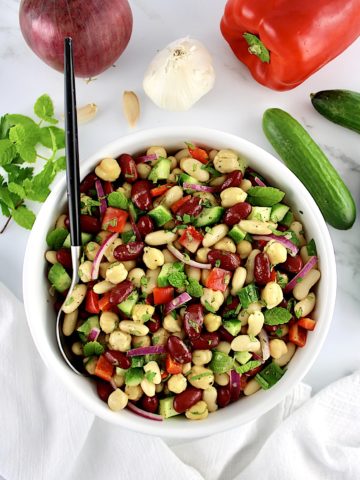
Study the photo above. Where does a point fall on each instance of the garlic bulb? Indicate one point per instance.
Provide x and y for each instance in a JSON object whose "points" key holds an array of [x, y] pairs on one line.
{"points": [[179, 75]]}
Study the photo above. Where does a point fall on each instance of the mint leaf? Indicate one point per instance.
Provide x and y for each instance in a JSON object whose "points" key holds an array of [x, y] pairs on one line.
{"points": [[24, 217], [44, 109], [264, 196], [277, 316], [17, 189], [92, 348], [4, 209], [4, 127], [117, 200], [18, 174], [177, 279], [7, 151], [60, 164], [52, 137], [194, 289], [6, 198], [25, 137], [37, 189]]}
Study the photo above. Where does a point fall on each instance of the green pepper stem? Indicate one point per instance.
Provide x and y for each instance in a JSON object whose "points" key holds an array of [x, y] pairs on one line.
{"points": [[256, 47]]}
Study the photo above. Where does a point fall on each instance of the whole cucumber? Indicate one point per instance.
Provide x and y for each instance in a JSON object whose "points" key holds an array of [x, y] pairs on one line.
{"points": [[339, 106], [309, 163]]}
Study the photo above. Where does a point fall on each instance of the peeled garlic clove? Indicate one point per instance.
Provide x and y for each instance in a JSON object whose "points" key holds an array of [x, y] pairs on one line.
{"points": [[179, 75], [131, 108], [86, 113]]}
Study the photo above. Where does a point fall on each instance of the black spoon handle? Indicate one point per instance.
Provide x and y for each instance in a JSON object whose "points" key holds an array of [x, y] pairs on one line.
{"points": [[72, 149]]}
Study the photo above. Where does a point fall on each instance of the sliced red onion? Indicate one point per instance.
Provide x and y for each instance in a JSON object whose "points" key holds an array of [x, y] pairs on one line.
{"points": [[259, 182], [146, 158], [181, 257], [93, 335], [281, 239], [199, 188], [100, 254], [264, 342], [144, 413], [152, 349], [102, 198], [306, 268], [176, 302]]}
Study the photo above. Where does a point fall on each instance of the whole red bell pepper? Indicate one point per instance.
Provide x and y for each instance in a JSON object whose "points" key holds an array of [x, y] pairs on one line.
{"points": [[283, 42]]}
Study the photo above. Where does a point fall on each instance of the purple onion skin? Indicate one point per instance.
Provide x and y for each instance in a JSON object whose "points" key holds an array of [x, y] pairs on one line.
{"points": [[100, 31]]}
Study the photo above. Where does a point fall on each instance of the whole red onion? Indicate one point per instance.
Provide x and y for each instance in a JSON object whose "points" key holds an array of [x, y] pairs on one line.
{"points": [[100, 31]]}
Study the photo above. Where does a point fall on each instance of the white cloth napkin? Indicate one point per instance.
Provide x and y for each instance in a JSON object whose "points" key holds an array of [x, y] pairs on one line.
{"points": [[46, 435]]}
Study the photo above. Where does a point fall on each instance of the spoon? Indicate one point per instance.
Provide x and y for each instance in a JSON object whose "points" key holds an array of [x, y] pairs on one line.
{"points": [[73, 196]]}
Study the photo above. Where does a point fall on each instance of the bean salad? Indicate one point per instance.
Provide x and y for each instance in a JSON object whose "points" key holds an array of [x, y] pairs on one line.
{"points": [[196, 281]]}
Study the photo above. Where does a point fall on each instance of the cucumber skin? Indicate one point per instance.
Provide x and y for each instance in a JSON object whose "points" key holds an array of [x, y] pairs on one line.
{"points": [[339, 106], [308, 162]]}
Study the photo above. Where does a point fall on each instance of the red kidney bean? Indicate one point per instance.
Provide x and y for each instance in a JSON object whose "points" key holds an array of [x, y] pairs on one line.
{"points": [[243, 382], [154, 323], [178, 350], [237, 212], [88, 183], [141, 196], [228, 261], [120, 292], [145, 225], [271, 328], [259, 244], [129, 251], [89, 224], [293, 264], [233, 179], [262, 272], [119, 359], [103, 390], [235, 389], [283, 303], [191, 207], [128, 168], [108, 188], [206, 341], [149, 300], [282, 228], [183, 401], [225, 335], [150, 404], [193, 320], [229, 310], [223, 396], [63, 256]]}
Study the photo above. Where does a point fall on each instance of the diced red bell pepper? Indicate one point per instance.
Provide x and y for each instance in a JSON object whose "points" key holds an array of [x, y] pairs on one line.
{"points": [[175, 206], [157, 191], [104, 369], [104, 303], [191, 239], [198, 153], [307, 323], [92, 301], [163, 295], [172, 366], [273, 275], [218, 279], [297, 334], [114, 220]]}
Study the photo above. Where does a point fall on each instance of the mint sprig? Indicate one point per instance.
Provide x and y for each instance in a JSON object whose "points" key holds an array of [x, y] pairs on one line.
{"points": [[23, 141]]}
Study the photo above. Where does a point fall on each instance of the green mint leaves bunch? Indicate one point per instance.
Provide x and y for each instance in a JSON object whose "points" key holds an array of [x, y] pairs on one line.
{"points": [[21, 139]]}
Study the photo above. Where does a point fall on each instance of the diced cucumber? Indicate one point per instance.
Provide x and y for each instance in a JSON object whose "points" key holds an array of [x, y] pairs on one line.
{"points": [[233, 326], [161, 170], [288, 219], [166, 269], [87, 326], [278, 212], [248, 366], [270, 375], [242, 357], [133, 376], [260, 213], [59, 278], [127, 305], [237, 234], [132, 211], [209, 216], [85, 238], [117, 200], [161, 215], [185, 178], [56, 237], [166, 407]]}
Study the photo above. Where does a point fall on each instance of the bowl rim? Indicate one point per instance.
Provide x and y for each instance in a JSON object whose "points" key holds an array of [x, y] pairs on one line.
{"points": [[175, 428]]}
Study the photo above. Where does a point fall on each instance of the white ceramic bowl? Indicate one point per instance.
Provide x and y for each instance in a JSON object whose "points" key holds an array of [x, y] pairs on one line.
{"points": [[41, 317]]}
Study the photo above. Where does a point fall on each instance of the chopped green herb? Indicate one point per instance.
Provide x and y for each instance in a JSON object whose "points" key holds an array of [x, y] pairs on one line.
{"points": [[194, 289], [217, 263], [278, 332], [277, 316], [248, 295], [144, 281], [209, 307], [128, 236], [177, 279], [311, 248], [92, 348], [117, 200], [150, 376], [220, 362]]}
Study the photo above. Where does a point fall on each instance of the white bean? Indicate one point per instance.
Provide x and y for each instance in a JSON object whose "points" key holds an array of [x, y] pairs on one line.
{"points": [[76, 298], [251, 387], [177, 383], [243, 343], [193, 272], [278, 348], [305, 306], [108, 170], [109, 252], [225, 244], [160, 237], [116, 273], [277, 253], [244, 248], [201, 357], [135, 276], [301, 289], [256, 227], [172, 324], [249, 265], [50, 257], [195, 169], [142, 312], [70, 321], [201, 255], [210, 397], [213, 299], [298, 229], [120, 341], [182, 154], [156, 150], [153, 368], [143, 170], [238, 280], [134, 392], [173, 195], [245, 184], [224, 347], [137, 329], [199, 411], [103, 287], [160, 337], [255, 323], [60, 222], [285, 359], [148, 387], [226, 161], [149, 282], [153, 258], [222, 379], [231, 196], [91, 250], [272, 294], [200, 377], [215, 234], [108, 321], [117, 400], [141, 341]]}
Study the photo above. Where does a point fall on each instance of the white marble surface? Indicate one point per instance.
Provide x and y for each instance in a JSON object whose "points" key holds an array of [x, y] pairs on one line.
{"points": [[235, 105]]}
